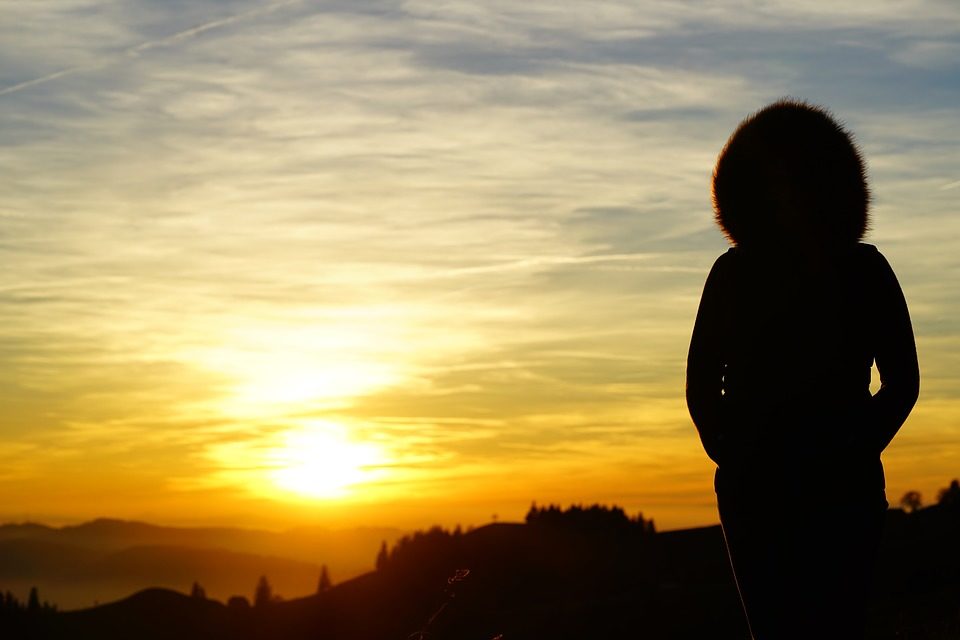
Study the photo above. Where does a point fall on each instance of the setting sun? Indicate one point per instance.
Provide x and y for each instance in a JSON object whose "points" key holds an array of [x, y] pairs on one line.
{"points": [[315, 315], [261, 269], [320, 461]]}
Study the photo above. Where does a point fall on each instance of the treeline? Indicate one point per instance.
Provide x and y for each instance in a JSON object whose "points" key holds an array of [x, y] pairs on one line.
{"points": [[431, 545], [948, 497], [562, 537], [263, 593], [12, 610], [593, 518]]}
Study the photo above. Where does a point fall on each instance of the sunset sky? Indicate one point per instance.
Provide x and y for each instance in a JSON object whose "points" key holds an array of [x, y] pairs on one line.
{"points": [[385, 262]]}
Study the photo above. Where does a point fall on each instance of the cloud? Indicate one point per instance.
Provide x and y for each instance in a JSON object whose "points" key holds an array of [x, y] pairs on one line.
{"points": [[90, 10], [499, 211]]}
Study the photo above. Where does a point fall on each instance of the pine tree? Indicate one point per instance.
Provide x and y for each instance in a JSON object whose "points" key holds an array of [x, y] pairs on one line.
{"points": [[10, 602], [950, 497], [382, 557], [263, 594], [324, 584], [198, 592], [33, 602]]}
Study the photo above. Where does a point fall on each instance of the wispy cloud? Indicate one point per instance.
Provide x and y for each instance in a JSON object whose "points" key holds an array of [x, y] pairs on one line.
{"points": [[477, 230], [143, 47]]}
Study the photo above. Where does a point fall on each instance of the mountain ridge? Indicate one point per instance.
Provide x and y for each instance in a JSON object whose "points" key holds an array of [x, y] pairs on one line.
{"points": [[563, 574], [63, 561]]}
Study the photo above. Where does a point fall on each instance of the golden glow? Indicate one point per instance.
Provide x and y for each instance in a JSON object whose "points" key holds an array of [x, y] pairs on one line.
{"points": [[416, 291], [291, 379], [274, 367], [321, 461]]}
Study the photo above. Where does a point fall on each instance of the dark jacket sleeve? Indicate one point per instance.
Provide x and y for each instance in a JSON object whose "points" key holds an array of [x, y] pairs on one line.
{"points": [[895, 354], [705, 361]]}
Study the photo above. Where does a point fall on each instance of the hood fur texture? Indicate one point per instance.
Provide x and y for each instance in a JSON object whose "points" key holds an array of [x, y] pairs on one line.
{"points": [[791, 172]]}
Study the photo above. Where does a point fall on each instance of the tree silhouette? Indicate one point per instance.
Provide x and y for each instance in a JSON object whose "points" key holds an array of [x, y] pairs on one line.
{"points": [[950, 497], [911, 501], [382, 556], [324, 584], [595, 518], [198, 592], [33, 602], [263, 594]]}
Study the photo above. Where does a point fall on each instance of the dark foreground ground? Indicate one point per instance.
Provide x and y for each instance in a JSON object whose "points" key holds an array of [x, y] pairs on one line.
{"points": [[592, 573]]}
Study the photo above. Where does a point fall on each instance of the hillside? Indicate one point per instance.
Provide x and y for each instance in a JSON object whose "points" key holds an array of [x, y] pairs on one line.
{"points": [[103, 560], [581, 578], [70, 574]]}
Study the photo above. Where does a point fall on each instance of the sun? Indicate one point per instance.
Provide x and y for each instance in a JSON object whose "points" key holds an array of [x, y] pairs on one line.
{"points": [[321, 461]]}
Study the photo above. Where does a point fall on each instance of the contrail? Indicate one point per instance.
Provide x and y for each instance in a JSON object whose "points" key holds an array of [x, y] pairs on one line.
{"points": [[146, 46], [546, 261], [53, 76]]}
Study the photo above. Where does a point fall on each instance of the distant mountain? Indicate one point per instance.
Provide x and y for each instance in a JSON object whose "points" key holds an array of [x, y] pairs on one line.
{"points": [[24, 530], [591, 576], [105, 559], [604, 578], [25, 558], [72, 574], [309, 544]]}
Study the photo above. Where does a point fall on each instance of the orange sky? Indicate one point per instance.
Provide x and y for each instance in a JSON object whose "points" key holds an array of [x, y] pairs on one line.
{"points": [[273, 263]]}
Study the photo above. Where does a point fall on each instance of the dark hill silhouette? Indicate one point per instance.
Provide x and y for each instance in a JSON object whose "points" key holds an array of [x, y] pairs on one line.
{"points": [[75, 571], [24, 530], [919, 576], [147, 615], [78, 565], [567, 577], [561, 577]]}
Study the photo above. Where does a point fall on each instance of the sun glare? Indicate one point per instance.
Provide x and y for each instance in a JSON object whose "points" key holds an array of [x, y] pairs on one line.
{"points": [[321, 461], [292, 380], [269, 369]]}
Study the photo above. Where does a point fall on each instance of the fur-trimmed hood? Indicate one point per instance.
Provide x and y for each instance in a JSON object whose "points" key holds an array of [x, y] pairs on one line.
{"points": [[791, 172]]}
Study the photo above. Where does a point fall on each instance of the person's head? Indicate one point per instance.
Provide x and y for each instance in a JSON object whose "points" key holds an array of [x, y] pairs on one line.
{"points": [[791, 173]]}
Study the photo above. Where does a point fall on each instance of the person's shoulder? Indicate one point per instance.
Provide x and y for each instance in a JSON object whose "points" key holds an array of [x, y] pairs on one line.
{"points": [[869, 254], [874, 266], [720, 271], [727, 256], [724, 261]]}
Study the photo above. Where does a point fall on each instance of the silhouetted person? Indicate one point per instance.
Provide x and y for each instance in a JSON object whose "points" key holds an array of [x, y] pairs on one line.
{"points": [[778, 375]]}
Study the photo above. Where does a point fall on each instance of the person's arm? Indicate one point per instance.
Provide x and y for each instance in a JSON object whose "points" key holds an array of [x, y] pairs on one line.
{"points": [[705, 363], [896, 357]]}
